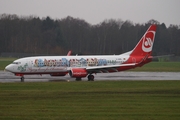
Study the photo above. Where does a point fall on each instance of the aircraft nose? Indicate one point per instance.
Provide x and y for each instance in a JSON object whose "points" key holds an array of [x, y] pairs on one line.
{"points": [[8, 68]]}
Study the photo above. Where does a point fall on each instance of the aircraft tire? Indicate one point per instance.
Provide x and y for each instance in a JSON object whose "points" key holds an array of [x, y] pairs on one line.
{"points": [[78, 79], [90, 77], [22, 79]]}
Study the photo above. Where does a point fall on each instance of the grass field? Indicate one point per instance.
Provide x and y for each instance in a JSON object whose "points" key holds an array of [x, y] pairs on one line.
{"points": [[108, 100], [153, 66]]}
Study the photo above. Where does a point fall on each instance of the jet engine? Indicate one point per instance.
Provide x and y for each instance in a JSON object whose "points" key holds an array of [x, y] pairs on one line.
{"points": [[78, 72]]}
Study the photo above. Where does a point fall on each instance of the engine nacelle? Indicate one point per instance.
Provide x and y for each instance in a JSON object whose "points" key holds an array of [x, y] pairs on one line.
{"points": [[58, 74], [78, 72]]}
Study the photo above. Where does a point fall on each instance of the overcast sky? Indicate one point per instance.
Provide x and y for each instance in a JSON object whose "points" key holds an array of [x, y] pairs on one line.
{"points": [[95, 11]]}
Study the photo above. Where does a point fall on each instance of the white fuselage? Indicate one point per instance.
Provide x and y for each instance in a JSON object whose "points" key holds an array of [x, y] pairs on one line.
{"points": [[52, 64]]}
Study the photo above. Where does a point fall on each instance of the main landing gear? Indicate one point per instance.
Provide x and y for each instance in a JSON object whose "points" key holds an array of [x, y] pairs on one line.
{"points": [[90, 77], [78, 79]]}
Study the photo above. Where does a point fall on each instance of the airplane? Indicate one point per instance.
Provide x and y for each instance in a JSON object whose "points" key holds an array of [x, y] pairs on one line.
{"points": [[85, 66]]}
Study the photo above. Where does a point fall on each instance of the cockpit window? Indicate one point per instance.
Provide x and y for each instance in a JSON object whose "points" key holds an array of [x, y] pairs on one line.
{"points": [[16, 63]]}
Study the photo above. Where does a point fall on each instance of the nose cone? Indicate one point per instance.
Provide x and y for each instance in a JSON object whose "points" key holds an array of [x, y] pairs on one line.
{"points": [[9, 68]]}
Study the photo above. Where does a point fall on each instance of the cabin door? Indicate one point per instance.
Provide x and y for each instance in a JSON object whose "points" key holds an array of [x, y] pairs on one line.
{"points": [[30, 63]]}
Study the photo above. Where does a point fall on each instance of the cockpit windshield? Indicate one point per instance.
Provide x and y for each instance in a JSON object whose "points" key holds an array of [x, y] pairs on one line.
{"points": [[16, 63]]}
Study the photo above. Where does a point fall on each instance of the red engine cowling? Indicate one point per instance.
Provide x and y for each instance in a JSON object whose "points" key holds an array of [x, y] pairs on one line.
{"points": [[78, 72]]}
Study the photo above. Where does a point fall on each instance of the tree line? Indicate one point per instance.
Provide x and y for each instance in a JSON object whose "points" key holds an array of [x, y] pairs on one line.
{"points": [[30, 34]]}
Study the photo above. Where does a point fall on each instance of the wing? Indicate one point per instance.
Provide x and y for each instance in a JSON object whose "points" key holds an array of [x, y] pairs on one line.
{"points": [[106, 69]]}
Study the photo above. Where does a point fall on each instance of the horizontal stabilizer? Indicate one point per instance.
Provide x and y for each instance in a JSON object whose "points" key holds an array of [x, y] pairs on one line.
{"points": [[161, 56]]}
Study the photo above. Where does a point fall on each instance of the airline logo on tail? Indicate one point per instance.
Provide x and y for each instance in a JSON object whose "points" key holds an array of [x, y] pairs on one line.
{"points": [[145, 44], [148, 41]]}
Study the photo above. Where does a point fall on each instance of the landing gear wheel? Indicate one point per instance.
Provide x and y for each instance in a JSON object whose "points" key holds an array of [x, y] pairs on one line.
{"points": [[78, 79], [90, 77], [22, 79]]}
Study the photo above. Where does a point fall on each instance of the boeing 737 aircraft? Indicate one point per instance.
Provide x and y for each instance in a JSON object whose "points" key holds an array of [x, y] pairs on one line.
{"points": [[85, 66]]}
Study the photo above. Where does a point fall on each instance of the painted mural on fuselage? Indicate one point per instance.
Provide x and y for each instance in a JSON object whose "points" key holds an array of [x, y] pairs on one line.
{"points": [[77, 61]]}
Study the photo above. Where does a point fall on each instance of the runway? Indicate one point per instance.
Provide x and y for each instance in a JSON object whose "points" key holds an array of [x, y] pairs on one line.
{"points": [[9, 77]]}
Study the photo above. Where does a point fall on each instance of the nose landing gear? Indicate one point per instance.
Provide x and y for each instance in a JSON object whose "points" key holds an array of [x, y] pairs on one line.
{"points": [[21, 75], [22, 78]]}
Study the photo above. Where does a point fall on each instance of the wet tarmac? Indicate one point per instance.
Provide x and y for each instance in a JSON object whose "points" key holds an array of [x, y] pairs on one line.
{"points": [[9, 77]]}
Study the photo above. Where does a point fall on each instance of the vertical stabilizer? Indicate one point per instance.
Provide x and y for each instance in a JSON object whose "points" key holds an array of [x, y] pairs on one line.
{"points": [[145, 45]]}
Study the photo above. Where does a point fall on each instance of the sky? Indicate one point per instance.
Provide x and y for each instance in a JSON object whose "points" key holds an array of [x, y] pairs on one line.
{"points": [[96, 11]]}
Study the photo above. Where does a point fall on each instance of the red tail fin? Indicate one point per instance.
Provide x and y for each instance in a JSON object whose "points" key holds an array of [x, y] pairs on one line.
{"points": [[69, 53], [144, 46]]}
